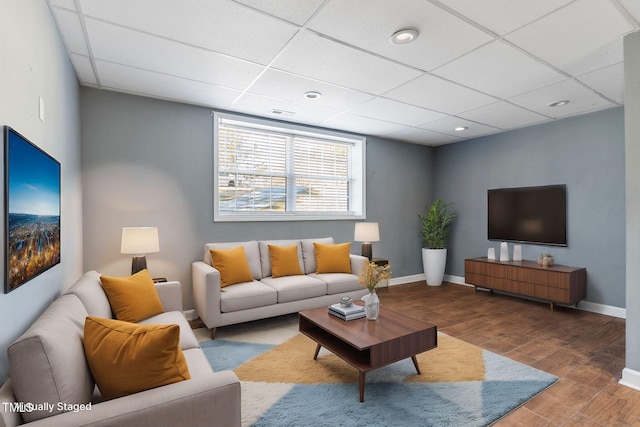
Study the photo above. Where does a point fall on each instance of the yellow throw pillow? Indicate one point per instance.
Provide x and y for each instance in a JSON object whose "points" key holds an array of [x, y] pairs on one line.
{"points": [[333, 258], [232, 265], [284, 261], [127, 358], [132, 298]]}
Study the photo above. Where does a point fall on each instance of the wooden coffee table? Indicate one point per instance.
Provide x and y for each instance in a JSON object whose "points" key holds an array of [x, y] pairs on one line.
{"points": [[369, 344]]}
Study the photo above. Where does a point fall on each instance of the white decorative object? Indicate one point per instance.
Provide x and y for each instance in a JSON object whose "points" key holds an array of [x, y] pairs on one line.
{"points": [[517, 252], [491, 253], [504, 251], [433, 262]]}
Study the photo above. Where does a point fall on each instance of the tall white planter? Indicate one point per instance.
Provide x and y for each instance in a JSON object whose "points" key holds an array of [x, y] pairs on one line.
{"points": [[433, 262]]}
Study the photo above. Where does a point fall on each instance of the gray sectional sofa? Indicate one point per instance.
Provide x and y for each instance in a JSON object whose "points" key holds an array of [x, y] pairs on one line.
{"points": [[266, 296], [47, 364]]}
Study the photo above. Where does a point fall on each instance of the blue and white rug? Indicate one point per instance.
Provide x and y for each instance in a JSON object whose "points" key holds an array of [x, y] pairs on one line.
{"points": [[460, 385]]}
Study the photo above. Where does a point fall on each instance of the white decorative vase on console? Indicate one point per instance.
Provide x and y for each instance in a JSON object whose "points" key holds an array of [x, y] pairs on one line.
{"points": [[433, 262], [504, 251]]}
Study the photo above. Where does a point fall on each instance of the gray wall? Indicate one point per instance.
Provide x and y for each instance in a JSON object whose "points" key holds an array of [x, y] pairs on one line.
{"points": [[632, 157], [149, 162], [33, 64], [586, 153]]}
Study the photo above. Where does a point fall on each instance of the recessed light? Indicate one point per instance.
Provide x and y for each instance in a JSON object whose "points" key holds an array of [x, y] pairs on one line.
{"points": [[312, 94], [558, 103], [404, 36], [460, 128]]}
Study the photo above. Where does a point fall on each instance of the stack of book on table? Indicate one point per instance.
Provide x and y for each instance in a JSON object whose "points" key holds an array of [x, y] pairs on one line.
{"points": [[347, 313]]}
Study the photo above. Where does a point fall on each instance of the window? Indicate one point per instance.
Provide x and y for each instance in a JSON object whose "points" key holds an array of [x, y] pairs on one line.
{"points": [[265, 170]]}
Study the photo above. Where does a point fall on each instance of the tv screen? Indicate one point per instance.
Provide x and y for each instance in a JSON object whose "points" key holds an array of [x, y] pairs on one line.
{"points": [[528, 215], [32, 210]]}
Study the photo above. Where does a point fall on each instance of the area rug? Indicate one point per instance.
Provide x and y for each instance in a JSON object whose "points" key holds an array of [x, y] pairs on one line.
{"points": [[460, 385]]}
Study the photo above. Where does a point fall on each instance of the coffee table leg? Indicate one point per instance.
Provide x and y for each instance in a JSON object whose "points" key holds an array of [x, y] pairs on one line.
{"points": [[415, 363], [315, 356], [361, 383]]}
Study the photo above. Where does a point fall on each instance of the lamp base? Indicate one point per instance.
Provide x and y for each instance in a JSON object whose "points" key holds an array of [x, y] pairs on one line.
{"points": [[138, 263], [367, 250]]}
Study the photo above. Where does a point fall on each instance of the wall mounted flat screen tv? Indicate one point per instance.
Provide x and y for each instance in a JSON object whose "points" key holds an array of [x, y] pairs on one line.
{"points": [[535, 215], [32, 210]]}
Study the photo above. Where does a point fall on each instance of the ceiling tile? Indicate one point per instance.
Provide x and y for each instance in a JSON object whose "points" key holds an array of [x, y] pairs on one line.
{"points": [[66, 4], [503, 115], [499, 70], [362, 125], [368, 24], [117, 44], [503, 16], [448, 124], [323, 59], [295, 11], [396, 112], [221, 25], [133, 80], [290, 87], [423, 137], [633, 7], [608, 81], [581, 37], [440, 95], [84, 69], [263, 106], [581, 99], [72, 33]]}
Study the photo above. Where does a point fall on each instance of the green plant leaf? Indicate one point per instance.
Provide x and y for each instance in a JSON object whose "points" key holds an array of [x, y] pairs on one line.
{"points": [[436, 225]]}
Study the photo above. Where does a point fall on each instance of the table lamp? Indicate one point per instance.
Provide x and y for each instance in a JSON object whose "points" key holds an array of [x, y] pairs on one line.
{"points": [[139, 241], [367, 232]]}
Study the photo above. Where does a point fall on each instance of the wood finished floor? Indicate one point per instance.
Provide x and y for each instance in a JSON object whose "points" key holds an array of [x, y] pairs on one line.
{"points": [[586, 351]]}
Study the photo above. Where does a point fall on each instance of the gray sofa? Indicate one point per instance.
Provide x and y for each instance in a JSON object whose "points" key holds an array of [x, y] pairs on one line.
{"points": [[47, 364], [266, 296]]}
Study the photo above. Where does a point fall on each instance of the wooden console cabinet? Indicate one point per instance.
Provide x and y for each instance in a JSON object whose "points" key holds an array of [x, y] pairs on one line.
{"points": [[557, 284]]}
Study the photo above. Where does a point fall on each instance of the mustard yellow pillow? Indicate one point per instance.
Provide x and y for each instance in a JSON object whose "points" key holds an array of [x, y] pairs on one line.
{"points": [[332, 258], [126, 358], [232, 265], [132, 298], [284, 261]]}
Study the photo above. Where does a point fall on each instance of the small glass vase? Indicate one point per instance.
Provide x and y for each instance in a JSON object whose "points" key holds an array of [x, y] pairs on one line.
{"points": [[372, 305]]}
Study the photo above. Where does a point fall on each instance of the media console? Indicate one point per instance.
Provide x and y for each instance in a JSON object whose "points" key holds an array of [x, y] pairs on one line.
{"points": [[557, 284]]}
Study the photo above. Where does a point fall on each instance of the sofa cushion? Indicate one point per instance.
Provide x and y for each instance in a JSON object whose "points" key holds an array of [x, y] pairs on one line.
{"points": [[339, 282], [265, 254], [89, 289], [232, 265], [246, 295], [285, 260], [295, 288], [309, 252], [126, 358], [47, 363], [187, 338], [132, 298], [333, 258], [197, 361], [251, 250]]}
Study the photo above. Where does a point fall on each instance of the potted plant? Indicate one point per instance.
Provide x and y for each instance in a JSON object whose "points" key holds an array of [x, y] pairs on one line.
{"points": [[435, 232]]}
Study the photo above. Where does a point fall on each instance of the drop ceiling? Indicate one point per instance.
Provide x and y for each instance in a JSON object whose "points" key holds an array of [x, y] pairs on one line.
{"points": [[487, 66]]}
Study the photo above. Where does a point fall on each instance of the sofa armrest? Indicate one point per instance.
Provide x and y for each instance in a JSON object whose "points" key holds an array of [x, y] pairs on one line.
{"points": [[357, 262], [170, 294], [206, 293], [196, 402]]}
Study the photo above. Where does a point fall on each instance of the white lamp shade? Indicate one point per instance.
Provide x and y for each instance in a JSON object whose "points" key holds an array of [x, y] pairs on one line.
{"points": [[139, 240], [366, 232]]}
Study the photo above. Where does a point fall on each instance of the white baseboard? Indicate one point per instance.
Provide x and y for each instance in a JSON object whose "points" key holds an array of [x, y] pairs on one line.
{"points": [[630, 378], [582, 305], [406, 279]]}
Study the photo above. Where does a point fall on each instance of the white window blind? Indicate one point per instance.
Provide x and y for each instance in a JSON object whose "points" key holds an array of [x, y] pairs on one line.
{"points": [[271, 171]]}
